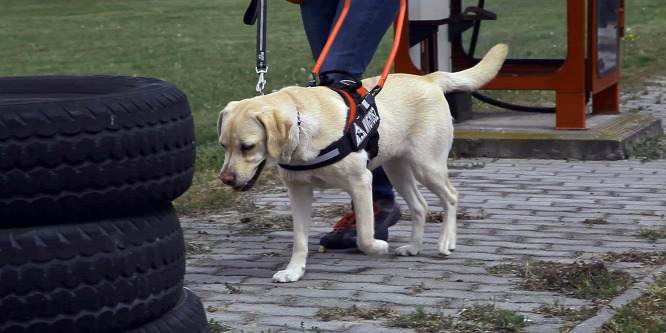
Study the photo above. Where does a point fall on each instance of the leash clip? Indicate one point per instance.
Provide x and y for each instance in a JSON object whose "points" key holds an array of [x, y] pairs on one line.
{"points": [[261, 83], [312, 82]]}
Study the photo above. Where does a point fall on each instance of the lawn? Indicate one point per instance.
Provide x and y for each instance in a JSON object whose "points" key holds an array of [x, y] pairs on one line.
{"points": [[202, 47]]}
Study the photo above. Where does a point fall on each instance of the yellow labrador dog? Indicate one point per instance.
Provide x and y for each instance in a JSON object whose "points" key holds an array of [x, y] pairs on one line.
{"points": [[292, 125]]}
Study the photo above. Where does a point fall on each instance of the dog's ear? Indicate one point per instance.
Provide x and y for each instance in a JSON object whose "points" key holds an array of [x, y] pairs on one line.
{"points": [[219, 124], [222, 113], [279, 134]]}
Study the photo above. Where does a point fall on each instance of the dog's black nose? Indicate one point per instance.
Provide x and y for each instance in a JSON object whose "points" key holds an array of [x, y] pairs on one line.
{"points": [[228, 178]]}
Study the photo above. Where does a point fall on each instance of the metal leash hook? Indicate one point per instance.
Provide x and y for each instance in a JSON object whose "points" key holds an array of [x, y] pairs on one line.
{"points": [[261, 83], [256, 12]]}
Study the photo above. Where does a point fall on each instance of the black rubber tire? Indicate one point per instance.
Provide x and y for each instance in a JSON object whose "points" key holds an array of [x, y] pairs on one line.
{"points": [[188, 316], [101, 276], [79, 147]]}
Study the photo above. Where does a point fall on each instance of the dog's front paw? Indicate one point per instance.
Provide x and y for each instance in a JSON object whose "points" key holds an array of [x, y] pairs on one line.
{"points": [[288, 275], [408, 250], [378, 248]]}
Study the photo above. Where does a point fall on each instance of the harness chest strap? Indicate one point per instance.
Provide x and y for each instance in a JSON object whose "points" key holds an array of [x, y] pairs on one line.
{"points": [[360, 132]]}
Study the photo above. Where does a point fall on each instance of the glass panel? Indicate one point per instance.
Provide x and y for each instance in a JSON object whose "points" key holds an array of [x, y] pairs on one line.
{"points": [[608, 36]]}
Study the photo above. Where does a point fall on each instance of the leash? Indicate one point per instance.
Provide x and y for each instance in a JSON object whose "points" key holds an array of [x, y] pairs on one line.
{"points": [[363, 120], [262, 64], [394, 49], [256, 12], [389, 62], [329, 43]]}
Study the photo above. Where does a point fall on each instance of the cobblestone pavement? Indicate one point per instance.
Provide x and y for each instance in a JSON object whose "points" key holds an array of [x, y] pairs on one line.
{"points": [[520, 210]]}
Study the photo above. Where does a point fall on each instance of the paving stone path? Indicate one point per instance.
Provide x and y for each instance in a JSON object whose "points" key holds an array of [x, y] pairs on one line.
{"points": [[519, 210]]}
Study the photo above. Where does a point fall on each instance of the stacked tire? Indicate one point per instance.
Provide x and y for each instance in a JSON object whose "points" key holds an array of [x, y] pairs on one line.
{"points": [[89, 240]]}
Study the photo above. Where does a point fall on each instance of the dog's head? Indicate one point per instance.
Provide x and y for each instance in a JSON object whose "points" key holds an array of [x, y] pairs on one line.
{"points": [[253, 135]]}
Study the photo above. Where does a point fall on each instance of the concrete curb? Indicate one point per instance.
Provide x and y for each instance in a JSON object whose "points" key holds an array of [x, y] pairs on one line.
{"points": [[610, 137], [610, 309]]}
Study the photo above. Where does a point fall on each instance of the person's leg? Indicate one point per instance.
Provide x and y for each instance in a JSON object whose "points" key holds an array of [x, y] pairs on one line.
{"points": [[358, 39], [381, 186], [366, 24], [352, 51], [319, 17], [363, 29]]}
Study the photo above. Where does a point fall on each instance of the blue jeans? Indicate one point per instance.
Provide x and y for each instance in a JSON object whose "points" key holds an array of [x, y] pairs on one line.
{"points": [[366, 23]]}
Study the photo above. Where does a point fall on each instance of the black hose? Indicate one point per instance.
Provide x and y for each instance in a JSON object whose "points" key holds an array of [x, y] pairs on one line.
{"points": [[510, 106]]}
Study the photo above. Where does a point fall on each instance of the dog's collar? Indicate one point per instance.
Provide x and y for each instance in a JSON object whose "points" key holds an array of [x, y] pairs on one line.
{"points": [[298, 119]]}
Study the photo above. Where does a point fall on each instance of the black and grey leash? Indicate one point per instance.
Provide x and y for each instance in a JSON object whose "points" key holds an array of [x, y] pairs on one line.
{"points": [[256, 12]]}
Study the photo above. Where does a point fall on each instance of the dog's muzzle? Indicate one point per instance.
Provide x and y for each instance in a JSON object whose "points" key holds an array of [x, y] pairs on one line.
{"points": [[252, 181]]}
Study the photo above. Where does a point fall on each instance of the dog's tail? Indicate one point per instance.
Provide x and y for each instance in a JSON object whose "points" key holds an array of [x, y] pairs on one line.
{"points": [[472, 78]]}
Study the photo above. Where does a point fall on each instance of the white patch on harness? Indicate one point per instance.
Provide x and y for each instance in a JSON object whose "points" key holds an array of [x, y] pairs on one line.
{"points": [[365, 127], [360, 134], [371, 118]]}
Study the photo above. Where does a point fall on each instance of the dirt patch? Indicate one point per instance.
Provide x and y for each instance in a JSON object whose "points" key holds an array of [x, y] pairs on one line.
{"points": [[651, 234], [194, 248], [261, 223], [473, 319], [338, 313], [571, 314], [649, 258], [334, 212], [579, 279], [598, 220], [477, 318], [438, 217], [417, 288]]}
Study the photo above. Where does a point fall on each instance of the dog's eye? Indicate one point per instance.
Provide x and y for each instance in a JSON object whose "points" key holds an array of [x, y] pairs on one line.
{"points": [[246, 147]]}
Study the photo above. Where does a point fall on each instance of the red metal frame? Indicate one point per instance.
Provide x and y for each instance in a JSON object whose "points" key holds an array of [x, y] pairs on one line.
{"points": [[571, 79]]}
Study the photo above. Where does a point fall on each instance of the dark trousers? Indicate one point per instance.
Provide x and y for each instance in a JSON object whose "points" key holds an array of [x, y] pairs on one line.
{"points": [[353, 49]]}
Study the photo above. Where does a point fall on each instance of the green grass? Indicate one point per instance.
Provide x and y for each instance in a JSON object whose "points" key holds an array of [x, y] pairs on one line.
{"points": [[217, 327], [644, 315], [337, 313], [537, 29], [200, 46], [650, 149], [649, 258], [523, 24], [651, 234], [203, 48], [476, 318], [579, 279]]}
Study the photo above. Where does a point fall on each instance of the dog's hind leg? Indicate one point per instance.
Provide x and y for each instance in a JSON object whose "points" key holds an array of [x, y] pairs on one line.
{"points": [[402, 177], [301, 205], [434, 176]]}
